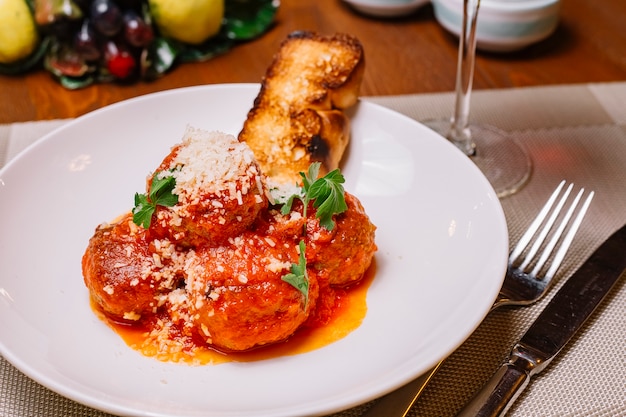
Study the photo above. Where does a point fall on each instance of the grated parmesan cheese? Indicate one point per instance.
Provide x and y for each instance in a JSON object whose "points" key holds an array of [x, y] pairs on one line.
{"points": [[210, 163], [132, 316]]}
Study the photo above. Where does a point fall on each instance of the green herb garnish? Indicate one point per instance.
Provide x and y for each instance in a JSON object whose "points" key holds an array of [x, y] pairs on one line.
{"points": [[328, 197], [160, 195], [327, 194], [298, 277]]}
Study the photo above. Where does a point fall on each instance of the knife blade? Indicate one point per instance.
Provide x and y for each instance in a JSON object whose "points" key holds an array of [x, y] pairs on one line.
{"points": [[566, 312]]}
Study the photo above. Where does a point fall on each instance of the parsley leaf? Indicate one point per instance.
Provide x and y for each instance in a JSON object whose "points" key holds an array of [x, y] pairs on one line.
{"points": [[328, 197], [299, 278], [327, 194], [160, 194], [286, 208], [311, 175], [143, 210]]}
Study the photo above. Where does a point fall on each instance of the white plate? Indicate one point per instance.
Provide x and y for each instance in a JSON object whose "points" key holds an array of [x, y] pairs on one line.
{"points": [[386, 8], [442, 254]]}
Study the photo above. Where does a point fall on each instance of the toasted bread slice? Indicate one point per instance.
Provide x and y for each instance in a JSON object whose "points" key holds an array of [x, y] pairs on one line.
{"points": [[298, 117]]}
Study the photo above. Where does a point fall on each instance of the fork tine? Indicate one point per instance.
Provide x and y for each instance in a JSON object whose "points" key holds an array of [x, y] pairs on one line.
{"points": [[557, 234], [534, 226], [567, 241], [546, 229]]}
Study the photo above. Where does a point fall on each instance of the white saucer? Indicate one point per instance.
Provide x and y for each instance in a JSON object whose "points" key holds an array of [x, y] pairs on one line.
{"points": [[390, 8]]}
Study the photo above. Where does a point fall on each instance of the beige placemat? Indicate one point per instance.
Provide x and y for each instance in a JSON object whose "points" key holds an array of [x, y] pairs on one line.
{"points": [[573, 132]]}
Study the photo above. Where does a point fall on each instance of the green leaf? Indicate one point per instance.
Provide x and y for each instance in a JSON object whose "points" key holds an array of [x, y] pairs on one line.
{"points": [[328, 197], [247, 19], [75, 83], [326, 193], [143, 211], [167, 200], [311, 176], [158, 58], [299, 277], [161, 190], [286, 208], [160, 194], [211, 48]]}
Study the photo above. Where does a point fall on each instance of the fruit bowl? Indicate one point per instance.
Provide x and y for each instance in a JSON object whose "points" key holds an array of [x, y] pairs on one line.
{"points": [[82, 42]]}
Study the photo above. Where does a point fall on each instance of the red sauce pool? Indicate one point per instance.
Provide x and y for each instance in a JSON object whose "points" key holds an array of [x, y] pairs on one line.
{"points": [[346, 317]]}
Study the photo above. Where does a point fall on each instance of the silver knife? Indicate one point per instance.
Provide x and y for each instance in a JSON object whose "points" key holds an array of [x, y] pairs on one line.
{"points": [[568, 310]]}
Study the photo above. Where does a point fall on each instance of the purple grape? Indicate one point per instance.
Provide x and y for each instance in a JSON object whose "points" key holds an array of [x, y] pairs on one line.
{"points": [[136, 31], [85, 42], [106, 17]]}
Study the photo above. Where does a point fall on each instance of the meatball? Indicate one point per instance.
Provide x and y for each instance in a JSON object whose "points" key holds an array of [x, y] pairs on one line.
{"points": [[219, 186], [123, 270], [210, 269], [343, 255], [237, 297]]}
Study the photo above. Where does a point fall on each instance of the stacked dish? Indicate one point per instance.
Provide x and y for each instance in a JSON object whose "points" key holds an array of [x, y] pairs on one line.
{"points": [[386, 8], [503, 25]]}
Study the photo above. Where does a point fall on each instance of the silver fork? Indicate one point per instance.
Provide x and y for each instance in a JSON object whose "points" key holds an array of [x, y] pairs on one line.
{"points": [[524, 286], [525, 281]]}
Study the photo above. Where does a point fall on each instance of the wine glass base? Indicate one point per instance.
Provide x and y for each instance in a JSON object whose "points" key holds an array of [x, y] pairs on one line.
{"points": [[506, 165]]}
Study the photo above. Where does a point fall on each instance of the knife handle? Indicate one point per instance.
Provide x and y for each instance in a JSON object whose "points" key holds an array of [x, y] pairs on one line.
{"points": [[497, 395]]}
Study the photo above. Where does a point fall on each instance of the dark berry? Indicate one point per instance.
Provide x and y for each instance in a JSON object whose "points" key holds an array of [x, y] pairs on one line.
{"points": [[106, 17], [136, 31]]}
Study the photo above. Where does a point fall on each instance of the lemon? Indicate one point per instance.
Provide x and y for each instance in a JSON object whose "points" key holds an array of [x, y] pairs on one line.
{"points": [[189, 21], [18, 32]]}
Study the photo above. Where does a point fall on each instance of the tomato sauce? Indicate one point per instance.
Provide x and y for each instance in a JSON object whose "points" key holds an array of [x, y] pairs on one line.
{"points": [[347, 315]]}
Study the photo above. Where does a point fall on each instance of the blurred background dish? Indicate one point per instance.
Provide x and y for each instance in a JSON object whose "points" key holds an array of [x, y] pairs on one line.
{"points": [[386, 8], [503, 25]]}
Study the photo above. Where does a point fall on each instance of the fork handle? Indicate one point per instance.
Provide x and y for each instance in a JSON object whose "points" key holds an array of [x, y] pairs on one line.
{"points": [[498, 394], [398, 403]]}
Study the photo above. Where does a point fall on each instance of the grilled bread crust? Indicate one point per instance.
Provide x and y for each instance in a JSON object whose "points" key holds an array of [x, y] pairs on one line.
{"points": [[298, 116]]}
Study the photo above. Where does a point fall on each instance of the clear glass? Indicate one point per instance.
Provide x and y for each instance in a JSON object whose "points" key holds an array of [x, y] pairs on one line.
{"points": [[503, 161]]}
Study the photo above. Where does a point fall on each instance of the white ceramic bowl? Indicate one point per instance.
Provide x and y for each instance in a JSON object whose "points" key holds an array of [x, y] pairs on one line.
{"points": [[386, 8], [442, 255], [503, 25]]}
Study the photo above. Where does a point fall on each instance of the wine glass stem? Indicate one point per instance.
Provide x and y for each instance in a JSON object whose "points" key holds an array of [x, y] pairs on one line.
{"points": [[460, 133]]}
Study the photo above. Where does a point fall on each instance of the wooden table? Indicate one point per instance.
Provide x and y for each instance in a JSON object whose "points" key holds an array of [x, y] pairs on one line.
{"points": [[408, 55]]}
